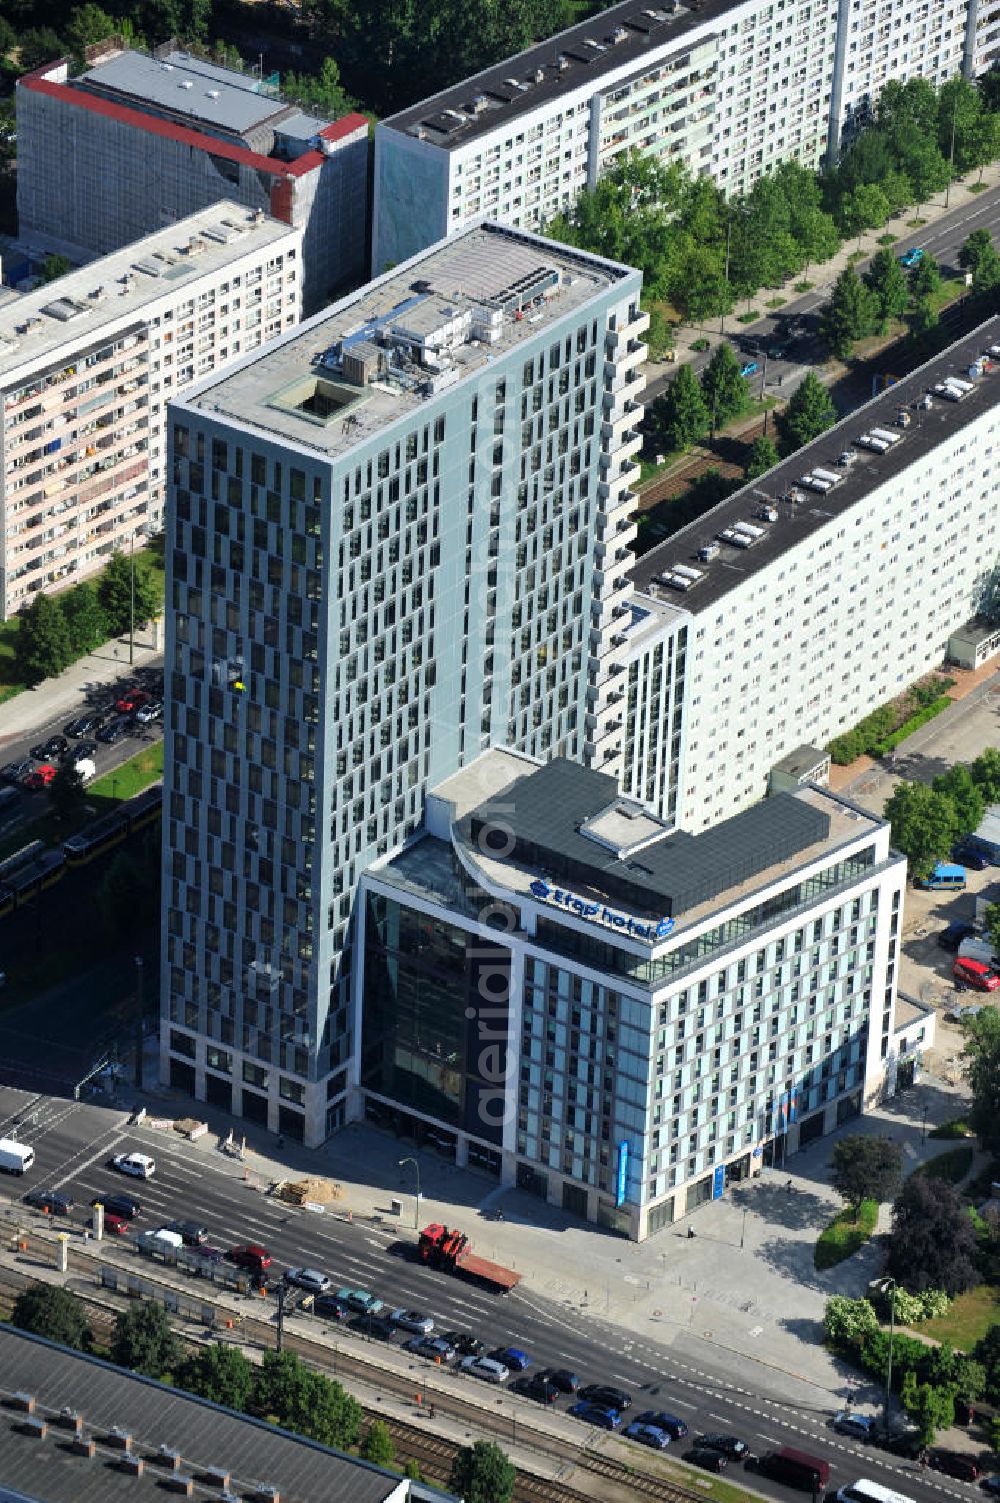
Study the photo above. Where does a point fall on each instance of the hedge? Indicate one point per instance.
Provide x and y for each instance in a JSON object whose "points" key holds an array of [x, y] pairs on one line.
{"points": [[909, 726], [882, 730], [952, 1166], [845, 1235]]}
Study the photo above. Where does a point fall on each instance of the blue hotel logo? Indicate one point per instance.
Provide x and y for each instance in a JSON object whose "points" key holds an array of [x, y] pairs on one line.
{"points": [[599, 913]]}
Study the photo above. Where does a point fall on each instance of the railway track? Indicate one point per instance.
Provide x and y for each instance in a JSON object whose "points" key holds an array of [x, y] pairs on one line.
{"points": [[593, 1474]]}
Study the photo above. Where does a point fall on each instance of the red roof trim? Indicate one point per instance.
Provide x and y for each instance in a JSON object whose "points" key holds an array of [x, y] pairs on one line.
{"points": [[197, 140]]}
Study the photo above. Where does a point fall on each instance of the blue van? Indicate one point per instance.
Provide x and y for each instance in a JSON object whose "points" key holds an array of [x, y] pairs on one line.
{"points": [[944, 877]]}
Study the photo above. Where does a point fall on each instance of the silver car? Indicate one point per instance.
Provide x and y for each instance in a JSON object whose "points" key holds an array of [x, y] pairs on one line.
{"points": [[486, 1368], [309, 1279], [412, 1320]]}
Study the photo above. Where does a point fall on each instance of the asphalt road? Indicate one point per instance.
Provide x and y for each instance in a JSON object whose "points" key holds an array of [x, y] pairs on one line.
{"points": [[73, 1145], [942, 239], [107, 758]]}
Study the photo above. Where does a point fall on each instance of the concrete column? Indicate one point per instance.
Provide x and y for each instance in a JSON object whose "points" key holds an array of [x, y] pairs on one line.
{"points": [[461, 1151], [508, 1169]]}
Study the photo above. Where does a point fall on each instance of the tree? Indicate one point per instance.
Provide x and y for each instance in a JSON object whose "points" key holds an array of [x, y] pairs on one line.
{"points": [[144, 1340], [986, 277], [930, 1407], [866, 208], [378, 1446], [47, 1310], [305, 1401], [114, 592], [850, 314], [726, 392], [933, 1241], [53, 267], [848, 1321], [973, 247], [680, 415], [84, 618], [986, 772], [987, 1352], [808, 414], [763, 457], [322, 92], [982, 1053], [925, 279], [38, 46], [42, 647], [866, 1168], [924, 825], [886, 281], [87, 25], [965, 793], [220, 1373], [67, 792], [481, 1473], [129, 892]]}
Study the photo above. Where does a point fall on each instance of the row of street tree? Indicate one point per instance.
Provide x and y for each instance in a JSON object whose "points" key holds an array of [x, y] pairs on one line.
{"points": [[702, 253], [928, 819], [56, 630], [280, 1388]]}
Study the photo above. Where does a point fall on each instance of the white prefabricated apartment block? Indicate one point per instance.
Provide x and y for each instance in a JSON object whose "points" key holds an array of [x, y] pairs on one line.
{"points": [[137, 141], [729, 87], [798, 605], [87, 365]]}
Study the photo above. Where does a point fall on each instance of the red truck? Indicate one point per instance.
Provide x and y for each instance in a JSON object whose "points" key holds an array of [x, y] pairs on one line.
{"points": [[445, 1247]]}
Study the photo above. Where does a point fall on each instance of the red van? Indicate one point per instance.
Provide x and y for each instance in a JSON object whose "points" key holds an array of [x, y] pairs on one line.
{"points": [[796, 1468]]}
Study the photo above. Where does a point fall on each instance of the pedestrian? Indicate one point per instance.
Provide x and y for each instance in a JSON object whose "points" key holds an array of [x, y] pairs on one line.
{"points": [[690, 1232], [432, 1411], [788, 1187]]}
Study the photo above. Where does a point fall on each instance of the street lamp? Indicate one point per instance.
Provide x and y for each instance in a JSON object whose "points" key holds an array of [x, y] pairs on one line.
{"points": [[923, 1125], [416, 1206], [892, 1331]]}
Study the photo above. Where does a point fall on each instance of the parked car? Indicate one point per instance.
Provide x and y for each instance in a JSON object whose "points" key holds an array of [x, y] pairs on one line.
{"points": [[330, 1307], [115, 730], [675, 1428], [912, 257], [379, 1326], [486, 1368], [83, 724], [49, 1200], [606, 1396], [778, 349], [464, 1344], [83, 751], [512, 1357], [413, 1320], [592, 1414], [360, 1301], [309, 1279], [16, 772], [138, 1165], [971, 856], [562, 1378], [40, 777], [977, 974], [192, 1233], [431, 1347], [749, 368], [860, 1426], [953, 1463], [647, 1435], [729, 1445], [950, 937], [906, 1443], [535, 1387], [146, 714], [117, 1204], [991, 1484], [114, 1225], [708, 1460], [48, 751], [132, 700]]}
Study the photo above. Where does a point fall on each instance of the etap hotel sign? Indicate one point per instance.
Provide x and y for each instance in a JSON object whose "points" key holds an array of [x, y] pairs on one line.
{"points": [[650, 930]]}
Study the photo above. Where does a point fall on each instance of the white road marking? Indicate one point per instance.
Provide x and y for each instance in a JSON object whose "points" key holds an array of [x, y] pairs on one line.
{"points": [[101, 1153]]}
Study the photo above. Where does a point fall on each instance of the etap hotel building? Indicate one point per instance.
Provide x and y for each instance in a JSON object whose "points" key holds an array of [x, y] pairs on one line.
{"points": [[619, 1018]]}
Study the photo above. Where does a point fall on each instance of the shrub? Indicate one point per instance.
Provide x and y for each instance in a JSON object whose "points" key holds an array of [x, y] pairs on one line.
{"points": [[848, 1320], [845, 1235], [957, 1127], [952, 1166]]}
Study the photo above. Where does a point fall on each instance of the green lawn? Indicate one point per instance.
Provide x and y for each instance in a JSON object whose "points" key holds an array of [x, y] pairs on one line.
{"points": [[970, 1316], [952, 1166], [131, 777], [844, 1235]]}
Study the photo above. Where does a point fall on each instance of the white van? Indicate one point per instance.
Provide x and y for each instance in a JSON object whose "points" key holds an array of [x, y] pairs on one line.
{"points": [[15, 1158], [167, 1238], [86, 768]]}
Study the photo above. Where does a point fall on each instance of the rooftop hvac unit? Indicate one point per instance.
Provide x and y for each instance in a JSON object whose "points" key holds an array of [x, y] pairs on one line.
{"points": [[766, 512], [963, 386], [889, 436], [869, 441], [949, 393], [815, 483], [993, 350], [677, 581], [687, 573], [749, 529], [829, 475], [708, 551], [737, 539]]}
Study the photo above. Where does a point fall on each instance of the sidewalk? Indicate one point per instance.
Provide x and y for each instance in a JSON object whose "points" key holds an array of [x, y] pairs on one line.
{"points": [[743, 1290], [63, 697], [824, 274]]}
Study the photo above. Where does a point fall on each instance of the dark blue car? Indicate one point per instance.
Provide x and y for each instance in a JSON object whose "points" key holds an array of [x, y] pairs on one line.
{"points": [[512, 1357], [593, 1414], [660, 1420]]}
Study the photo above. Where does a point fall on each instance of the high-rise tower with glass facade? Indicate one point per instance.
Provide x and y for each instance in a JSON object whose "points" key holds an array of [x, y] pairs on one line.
{"points": [[398, 537]]}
